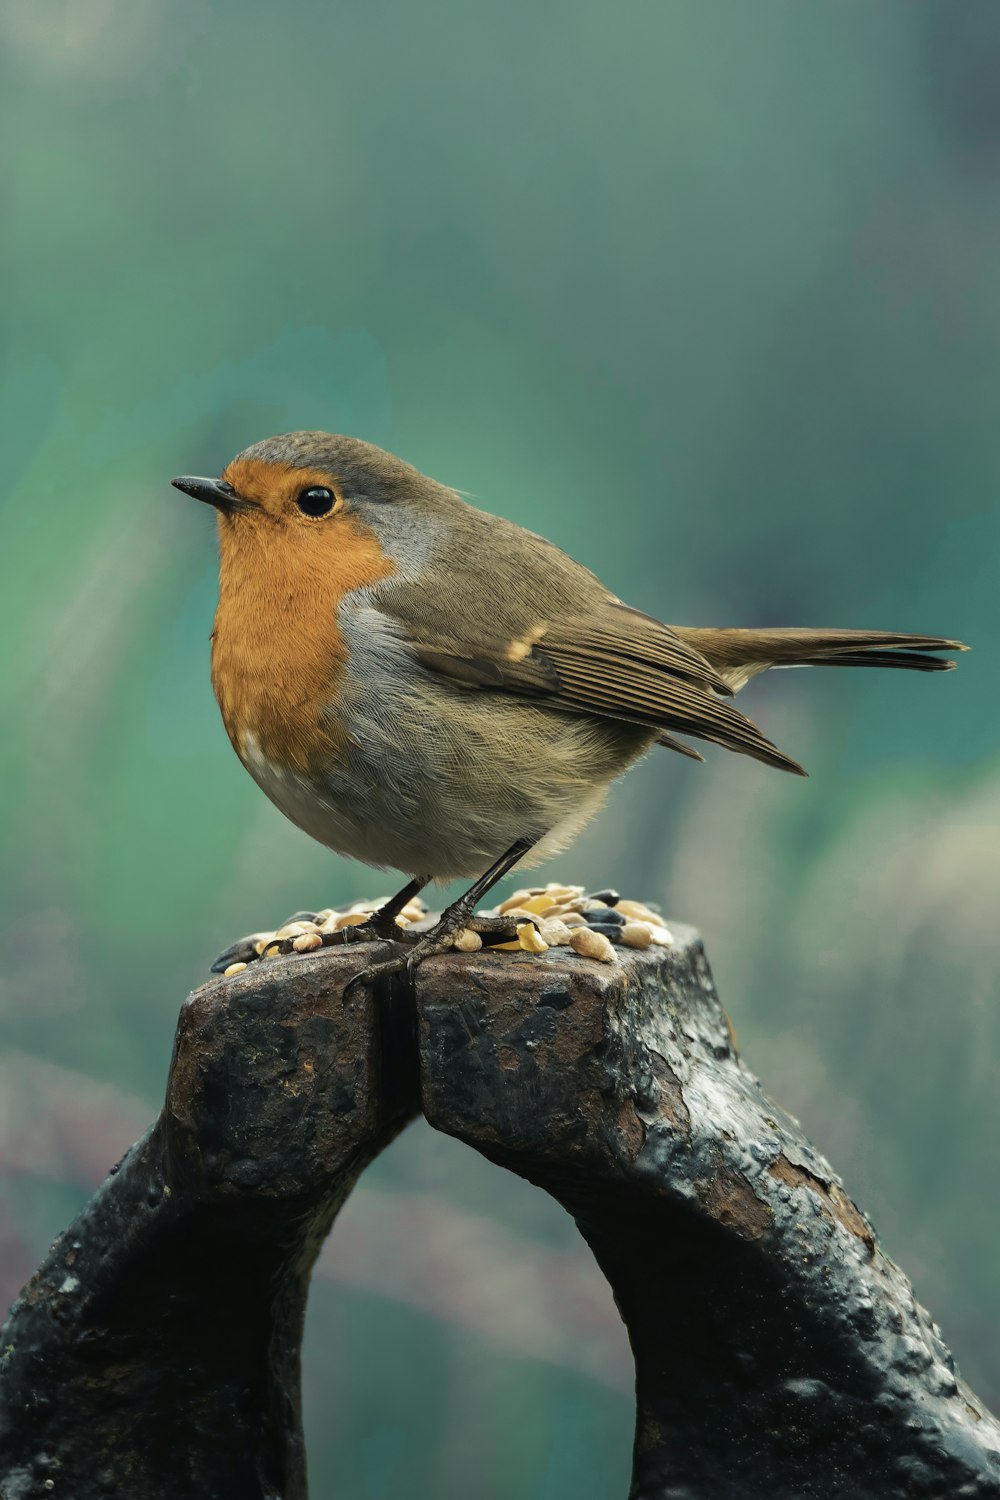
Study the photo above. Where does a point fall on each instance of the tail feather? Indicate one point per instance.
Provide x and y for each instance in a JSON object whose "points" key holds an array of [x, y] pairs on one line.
{"points": [[904, 660], [738, 655], [671, 742]]}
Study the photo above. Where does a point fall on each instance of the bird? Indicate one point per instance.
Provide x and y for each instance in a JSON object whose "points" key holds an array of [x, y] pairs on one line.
{"points": [[427, 687]]}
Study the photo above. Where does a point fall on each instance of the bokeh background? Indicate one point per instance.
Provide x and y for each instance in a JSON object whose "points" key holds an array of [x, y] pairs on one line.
{"points": [[709, 293]]}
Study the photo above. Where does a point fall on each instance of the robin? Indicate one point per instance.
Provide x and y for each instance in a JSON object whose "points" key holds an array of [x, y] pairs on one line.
{"points": [[428, 687]]}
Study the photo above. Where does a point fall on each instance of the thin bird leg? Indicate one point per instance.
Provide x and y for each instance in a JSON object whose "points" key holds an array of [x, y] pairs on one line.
{"points": [[459, 914], [382, 923]]}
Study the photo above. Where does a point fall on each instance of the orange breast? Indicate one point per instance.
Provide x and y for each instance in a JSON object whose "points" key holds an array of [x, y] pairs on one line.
{"points": [[278, 657]]}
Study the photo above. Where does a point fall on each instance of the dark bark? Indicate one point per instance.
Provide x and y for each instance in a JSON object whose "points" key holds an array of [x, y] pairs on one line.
{"points": [[778, 1352], [155, 1355]]}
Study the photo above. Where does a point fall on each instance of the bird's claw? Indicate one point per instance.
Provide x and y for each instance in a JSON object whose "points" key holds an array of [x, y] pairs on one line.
{"points": [[492, 929], [372, 973], [247, 950], [408, 961], [498, 929]]}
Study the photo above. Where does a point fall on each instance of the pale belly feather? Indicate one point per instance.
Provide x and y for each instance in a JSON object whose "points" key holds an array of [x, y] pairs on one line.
{"points": [[438, 780]]}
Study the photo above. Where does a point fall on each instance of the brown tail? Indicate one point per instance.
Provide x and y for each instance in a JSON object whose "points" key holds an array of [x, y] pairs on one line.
{"points": [[738, 655]]}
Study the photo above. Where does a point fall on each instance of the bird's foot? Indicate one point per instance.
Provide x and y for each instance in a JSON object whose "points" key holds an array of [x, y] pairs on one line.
{"points": [[540, 919], [456, 928], [307, 931]]}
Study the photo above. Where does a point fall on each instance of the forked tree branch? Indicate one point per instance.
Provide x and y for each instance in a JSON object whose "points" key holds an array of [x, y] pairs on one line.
{"points": [[779, 1354]]}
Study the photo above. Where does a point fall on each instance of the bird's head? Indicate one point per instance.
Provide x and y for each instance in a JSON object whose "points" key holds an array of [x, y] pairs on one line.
{"points": [[314, 494]]}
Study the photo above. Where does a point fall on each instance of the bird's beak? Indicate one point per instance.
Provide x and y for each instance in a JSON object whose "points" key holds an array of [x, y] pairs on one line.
{"points": [[214, 492]]}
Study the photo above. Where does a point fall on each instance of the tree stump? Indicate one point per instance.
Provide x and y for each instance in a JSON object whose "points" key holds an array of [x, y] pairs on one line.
{"points": [[779, 1354]]}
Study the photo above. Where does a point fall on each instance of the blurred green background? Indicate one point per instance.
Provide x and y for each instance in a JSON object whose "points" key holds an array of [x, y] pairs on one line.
{"points": [[709, 293]]}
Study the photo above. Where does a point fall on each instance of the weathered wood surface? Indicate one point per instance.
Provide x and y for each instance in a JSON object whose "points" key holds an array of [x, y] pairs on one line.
{"points": [[778, 1353]]}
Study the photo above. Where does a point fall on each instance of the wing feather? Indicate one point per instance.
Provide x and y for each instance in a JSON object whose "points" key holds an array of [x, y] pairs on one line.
{"points": [[613, 662]]}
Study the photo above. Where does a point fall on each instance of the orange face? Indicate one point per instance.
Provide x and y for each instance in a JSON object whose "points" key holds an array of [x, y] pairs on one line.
{"points": [[301, 497], [297, 522]]}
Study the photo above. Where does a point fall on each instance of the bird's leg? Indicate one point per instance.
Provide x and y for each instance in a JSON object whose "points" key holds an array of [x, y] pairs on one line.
{"points": [[459, 914], [382, 923]]}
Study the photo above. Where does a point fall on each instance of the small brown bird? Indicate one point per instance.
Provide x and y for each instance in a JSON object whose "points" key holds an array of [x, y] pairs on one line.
{"points": [[427, 687]]}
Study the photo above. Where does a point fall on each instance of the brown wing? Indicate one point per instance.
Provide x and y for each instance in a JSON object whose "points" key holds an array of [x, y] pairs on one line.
{"points": [[613, 662], [611, 632]]}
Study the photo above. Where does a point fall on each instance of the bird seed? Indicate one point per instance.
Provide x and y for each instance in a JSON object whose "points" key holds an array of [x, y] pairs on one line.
{"points": [[306, 942], [591, 944], [530, 938], [467, 941]]}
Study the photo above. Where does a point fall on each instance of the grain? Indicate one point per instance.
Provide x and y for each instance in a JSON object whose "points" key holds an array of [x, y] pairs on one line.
{"points": [[530, 938], [637, 934], [513, 901], [637, 910], [467, 941], [591, 945], [306, 942]]}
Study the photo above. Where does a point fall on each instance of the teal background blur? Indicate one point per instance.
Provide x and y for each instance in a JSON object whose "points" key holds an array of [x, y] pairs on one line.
{"points": [[709, 293]]}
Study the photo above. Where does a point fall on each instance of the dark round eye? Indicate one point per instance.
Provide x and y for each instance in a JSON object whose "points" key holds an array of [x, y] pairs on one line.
{"points": [[315, 501]]}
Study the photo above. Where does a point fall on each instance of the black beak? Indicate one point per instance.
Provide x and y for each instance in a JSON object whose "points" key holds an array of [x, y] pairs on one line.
{"points": [[214, 492]]}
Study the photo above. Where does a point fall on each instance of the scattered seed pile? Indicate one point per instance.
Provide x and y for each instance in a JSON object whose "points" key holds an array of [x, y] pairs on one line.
{"points": [[551, 916], [565, 916]]}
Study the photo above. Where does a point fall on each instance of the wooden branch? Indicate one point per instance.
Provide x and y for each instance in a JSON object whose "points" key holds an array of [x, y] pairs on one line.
{"points": [[778, 1352]]}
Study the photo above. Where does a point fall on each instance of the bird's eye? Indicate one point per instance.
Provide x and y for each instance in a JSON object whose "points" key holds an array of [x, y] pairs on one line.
{"points": [[315, 501]]}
